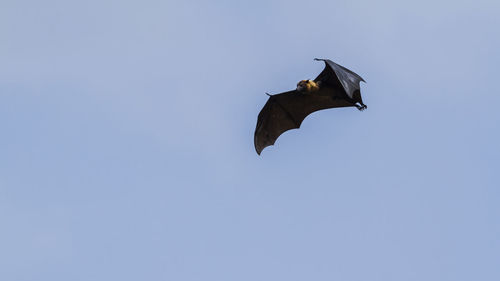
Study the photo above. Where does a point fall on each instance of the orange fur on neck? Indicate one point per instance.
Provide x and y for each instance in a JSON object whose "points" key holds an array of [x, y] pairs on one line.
{"points": [[308, 86]]}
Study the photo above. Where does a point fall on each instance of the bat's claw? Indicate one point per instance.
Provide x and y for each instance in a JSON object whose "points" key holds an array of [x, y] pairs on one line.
{"points": [[361, 107]]}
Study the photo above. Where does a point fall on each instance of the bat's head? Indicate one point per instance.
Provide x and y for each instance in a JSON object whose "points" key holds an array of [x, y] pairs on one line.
{"points": [[307, 86]]}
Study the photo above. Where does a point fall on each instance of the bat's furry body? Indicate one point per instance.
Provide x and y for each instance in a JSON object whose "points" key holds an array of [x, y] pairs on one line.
{"points": [[335, 86], [307, 86]]}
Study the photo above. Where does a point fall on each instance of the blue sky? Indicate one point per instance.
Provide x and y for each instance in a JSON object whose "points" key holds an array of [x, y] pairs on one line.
{"points": [[127, 142]]}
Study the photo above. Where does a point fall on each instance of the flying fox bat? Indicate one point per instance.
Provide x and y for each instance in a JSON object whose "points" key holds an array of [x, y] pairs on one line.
{"points": [[335, 86]]}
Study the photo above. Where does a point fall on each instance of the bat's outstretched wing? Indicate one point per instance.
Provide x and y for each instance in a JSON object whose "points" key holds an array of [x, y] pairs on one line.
{"points": [[286, 111], [337, 75]]}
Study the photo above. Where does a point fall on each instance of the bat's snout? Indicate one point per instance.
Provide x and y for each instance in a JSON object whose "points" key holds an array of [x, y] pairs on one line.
{"points": [[302, 85]]}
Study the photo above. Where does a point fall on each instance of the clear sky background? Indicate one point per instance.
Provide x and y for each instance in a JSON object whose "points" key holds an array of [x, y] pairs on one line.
{"points": [[127, 142]]}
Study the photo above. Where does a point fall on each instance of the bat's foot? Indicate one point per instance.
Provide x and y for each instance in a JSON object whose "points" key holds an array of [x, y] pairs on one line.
{"points": [[361, 107]]}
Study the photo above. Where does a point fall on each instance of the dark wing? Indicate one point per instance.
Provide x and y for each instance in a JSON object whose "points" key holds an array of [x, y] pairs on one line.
{"points": [[286, 111], [336, 75]]}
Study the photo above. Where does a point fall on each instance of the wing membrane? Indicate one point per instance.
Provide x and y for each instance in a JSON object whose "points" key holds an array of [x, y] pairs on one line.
{"points": [[286, 111], [335, 74]]}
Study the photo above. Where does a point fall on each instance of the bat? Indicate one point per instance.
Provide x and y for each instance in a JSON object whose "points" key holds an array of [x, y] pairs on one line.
{"points": [[335, 86]]}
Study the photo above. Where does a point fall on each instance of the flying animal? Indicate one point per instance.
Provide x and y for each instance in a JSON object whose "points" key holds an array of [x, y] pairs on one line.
{"points": [[335, 86]]}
